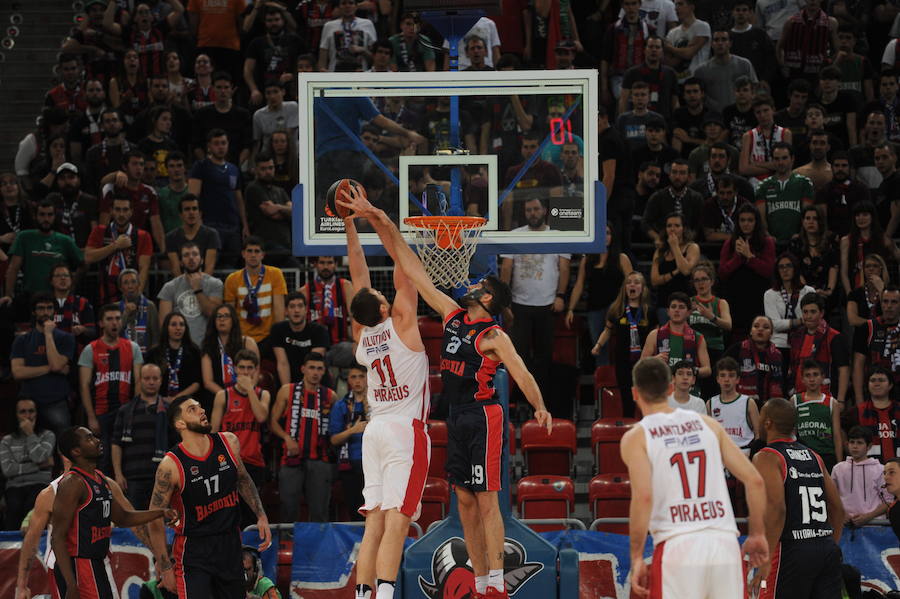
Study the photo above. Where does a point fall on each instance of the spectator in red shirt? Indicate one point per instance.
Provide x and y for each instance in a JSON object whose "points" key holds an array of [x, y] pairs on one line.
{"points": [[69, 94], [117, 246], [144, 201]]}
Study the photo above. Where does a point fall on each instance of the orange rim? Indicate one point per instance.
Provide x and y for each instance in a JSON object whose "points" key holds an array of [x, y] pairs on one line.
{"points": [[451, 222]]}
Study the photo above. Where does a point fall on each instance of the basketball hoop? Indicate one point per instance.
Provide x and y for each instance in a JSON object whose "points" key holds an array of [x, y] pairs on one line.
{"points": [[446, 245]]}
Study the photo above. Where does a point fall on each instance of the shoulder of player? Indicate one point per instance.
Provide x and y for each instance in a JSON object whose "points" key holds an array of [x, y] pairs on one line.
{"points": [[70, 487]]}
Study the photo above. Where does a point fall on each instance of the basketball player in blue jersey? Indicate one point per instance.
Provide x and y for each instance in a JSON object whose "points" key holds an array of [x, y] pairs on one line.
{"points": [[473, 347], [202, 477], [85, 506]]}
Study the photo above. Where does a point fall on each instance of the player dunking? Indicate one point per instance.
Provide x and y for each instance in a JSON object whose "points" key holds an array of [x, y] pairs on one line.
{"points": [[473, 347], [396, 448], [675, 461], [83, 511], [202, 477]]}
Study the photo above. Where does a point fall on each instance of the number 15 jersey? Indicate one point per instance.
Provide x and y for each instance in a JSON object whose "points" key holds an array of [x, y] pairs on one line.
{"points": [[687, 475]]}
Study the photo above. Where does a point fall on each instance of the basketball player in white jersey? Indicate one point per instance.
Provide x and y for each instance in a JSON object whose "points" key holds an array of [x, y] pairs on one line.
{"points": [[396, 448], [675, 460]]}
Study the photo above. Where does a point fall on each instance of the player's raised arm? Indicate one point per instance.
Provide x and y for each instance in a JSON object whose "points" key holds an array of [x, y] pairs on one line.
{"points": [[247, 491], [402, 254], [634, 453], [359, 269]]}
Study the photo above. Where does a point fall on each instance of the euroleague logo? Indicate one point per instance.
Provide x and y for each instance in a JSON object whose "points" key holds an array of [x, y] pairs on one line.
{"points": [[452, 576]]}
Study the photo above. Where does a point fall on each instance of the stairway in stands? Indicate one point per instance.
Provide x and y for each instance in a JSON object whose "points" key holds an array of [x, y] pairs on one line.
{"points": [[27, 70]]}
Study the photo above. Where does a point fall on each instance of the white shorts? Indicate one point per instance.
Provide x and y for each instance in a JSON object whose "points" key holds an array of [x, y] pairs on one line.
{"points": [[396, 452], [698, 565]]}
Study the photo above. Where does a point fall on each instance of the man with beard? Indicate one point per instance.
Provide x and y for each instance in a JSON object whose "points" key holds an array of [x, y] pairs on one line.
{"points": [[661, 79], [887, 196], [76, 211], [269, 207], [648, 179], [143, 198], [117, 246], [140, 320], [656, 150], [863, 154], [718, 166], [193, 294], [538, 283], [69, 94], [840, 194], [160, 96], [256, 291], [108, 370], [207, 547], [35, 252], [687, 120], [84, 130], [675, 198], [295, 337], [719, 73], [781, 197], [874, 343], [72, 313], [572, 170], [328, 299], [86, 505], [108, 155], [41, 359], [719, 210], [192, 230], [225, 115], [818, 170]]}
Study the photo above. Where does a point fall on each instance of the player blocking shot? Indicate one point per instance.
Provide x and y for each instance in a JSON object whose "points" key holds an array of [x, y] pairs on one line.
{"points": [[675, 461], [473, 347], [202, 478], [396, 448]]}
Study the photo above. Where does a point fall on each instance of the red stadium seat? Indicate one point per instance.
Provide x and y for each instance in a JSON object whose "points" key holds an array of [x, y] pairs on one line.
{"points": [[437, 430], [549, 454], [512, 439], [435, 384], [435, 502], [565, 341], [432, 331], [605, 436], [610, 495], [608, 396], [545, 497]]}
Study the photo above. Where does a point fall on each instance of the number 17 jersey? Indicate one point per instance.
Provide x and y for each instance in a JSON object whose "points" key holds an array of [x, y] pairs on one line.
{"points": [[687, 475]]}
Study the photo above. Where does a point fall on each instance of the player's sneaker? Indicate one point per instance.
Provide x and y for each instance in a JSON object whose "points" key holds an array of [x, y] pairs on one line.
{"points": [[492, 593]]}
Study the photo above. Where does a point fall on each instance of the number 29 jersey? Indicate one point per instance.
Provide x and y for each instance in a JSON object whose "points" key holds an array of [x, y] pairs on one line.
{"points": [[467, 375], [687, 475]]}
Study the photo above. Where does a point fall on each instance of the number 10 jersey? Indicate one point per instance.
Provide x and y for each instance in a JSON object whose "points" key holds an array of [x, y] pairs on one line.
{"points": [[687, 474]]}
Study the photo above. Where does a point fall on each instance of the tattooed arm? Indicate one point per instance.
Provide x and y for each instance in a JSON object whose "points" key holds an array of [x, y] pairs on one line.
{"points": [[248, 492], [167, 479]]}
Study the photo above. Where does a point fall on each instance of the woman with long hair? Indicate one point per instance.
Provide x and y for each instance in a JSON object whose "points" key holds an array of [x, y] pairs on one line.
{"points": [[604, 274], [761, 373], [178, 83], [816, 249], [283, 148], [221, 343], [128, 89], [159, 144], [673, 261], [746, 263], [782, 302], [864, 302], [710, 316], [629, 320], [865, 237], [200, 92], [177, 357], [15, 214]]}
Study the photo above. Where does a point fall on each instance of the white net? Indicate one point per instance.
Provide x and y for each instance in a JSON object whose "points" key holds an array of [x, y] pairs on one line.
{"points": [[445, 247]]}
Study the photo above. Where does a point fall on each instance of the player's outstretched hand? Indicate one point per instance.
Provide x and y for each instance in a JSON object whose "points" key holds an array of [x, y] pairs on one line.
{"points": [[171, 517], [640, 577], [757, 549], [265, 533], [355, 201], [544, 418]]}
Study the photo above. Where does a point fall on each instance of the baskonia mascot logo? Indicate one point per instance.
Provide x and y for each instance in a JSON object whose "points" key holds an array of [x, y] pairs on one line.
{"points": [[452, 576]]}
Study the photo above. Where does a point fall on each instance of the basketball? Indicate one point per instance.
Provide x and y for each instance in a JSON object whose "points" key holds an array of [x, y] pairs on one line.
{"points": [[332, 208]]}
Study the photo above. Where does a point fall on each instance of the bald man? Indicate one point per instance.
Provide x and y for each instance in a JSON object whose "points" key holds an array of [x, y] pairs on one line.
{"points": [[804, 515]]}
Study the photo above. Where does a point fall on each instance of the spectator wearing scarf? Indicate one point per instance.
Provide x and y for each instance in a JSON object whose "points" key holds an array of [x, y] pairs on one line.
{"points": [[118, 246], [222, 341], [327, 299], [782, 302], [140, 320], [257, 292], [178, 358], [761, 375], [676, 340], [877, 343], [817, 341]]}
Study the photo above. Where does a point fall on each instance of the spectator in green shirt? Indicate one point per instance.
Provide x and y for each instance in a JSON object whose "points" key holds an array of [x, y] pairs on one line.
{"points": [[171, 194], [782, 197]]}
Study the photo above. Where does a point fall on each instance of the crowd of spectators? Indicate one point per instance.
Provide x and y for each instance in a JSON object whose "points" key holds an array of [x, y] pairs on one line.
{"points": [[748, 151]]}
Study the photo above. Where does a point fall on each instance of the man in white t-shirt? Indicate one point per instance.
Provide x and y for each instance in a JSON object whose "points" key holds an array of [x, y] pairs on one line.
{"points": [[684, 379], [771, 15], [486, 30], [659, 13], [346, 37], [539, 283], [686, 47]]}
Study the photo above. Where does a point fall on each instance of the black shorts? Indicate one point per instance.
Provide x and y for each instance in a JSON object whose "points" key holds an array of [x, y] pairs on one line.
{"points": [[94, 578], [808, 569], [475, 446], [209, 566]]}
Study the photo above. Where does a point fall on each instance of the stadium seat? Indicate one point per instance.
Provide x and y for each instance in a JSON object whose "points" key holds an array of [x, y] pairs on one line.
{"points": [[545, 497], [437, 430], [432, 331], [605, 436], [435, 384], [610, 495], [435, 501], [549, 454], [608, 400]]}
